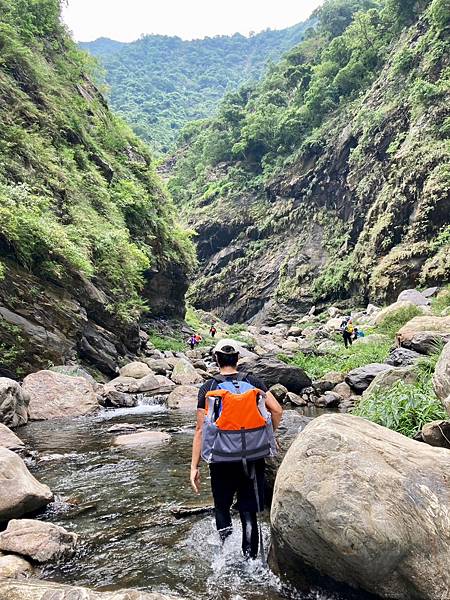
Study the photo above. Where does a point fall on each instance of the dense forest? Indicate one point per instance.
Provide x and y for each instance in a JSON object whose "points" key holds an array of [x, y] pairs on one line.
{"points": [[333, 171], [160, 83], [83, 216]]}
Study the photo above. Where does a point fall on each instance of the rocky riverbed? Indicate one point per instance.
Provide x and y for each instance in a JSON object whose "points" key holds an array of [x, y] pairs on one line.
{"points": [[110, 507]]}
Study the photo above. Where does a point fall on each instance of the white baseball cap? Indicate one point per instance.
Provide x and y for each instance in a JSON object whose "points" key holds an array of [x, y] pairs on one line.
{"points": [[227, 346]]}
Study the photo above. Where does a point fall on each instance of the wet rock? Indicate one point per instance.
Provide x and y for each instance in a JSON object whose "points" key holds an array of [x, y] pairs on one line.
{"points": [[328, 382], [185, 374], [143, 438], [13, 403], [436, 433], [280, 392], [387, 379], [424, 334], [295, 399], [38, 540], [273, 371], [441, 377], [11, 589], [14, 567], [9, 440], [54, 395], [119, 427], [328, 400], [402, 357], [115, 399], [135, 369], [165, 385], [184, 397], [413, 296], [359, 379], [359, 503]]}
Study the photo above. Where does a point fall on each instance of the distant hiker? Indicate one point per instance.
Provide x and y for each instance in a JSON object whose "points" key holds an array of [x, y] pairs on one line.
{"points": [[240, 408], [198, 338], [192, 342], [212, 330], [347, 330]]}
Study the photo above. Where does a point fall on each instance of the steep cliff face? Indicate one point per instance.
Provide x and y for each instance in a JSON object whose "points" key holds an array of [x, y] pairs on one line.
{"points": [[88, 239], [352, 209]]}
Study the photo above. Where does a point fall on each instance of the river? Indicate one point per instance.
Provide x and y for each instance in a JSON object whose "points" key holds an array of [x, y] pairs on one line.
{"points": [[121, 506]]}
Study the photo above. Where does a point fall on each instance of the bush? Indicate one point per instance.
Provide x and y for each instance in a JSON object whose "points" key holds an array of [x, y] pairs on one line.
{"points": [[163, 343], [405, 408]]}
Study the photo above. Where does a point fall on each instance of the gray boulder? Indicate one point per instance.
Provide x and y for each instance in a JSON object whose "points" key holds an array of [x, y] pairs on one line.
{"points": [[280, 392], [328, 400], [272, 371], [424, 334], [366, 506], [11, 589], [135, 369], [359, 379], [413, 296], [142, 438], [14, 403], [184, 373], [37, 540], [20, 492], [387, 379], [403, 357], [54, 395], [183, 397]]}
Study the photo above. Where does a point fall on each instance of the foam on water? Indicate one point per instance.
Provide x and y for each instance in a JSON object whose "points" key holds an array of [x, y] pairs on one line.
{"points": [[140, 409]]}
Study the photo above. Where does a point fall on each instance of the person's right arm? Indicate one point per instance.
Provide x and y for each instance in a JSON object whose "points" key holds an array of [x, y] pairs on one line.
{"points": [[196, 451]]}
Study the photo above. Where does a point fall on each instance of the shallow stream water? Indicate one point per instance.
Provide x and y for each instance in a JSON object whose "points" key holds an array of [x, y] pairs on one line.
{"points": [[121, 506]]}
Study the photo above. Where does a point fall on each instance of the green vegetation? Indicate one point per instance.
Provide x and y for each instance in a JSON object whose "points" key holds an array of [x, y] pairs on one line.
{"points": [[395, 321], [12, 346], [442, 301], [160, 83], [342, 361], [405, 408], [78, 190], [164, 342]]}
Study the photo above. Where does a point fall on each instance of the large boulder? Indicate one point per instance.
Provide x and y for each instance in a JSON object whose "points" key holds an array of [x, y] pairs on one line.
{"points": [[37, 540], [9, 440], [366, 506], [436, 433], [11, 589], [184, 373], [413, 296], [387, 379], [272, 371], [184, 397], [403, 357], [142, 438], [20, 492], [13, 403], [135, 369], [441, 377], [359, 379], [424, 334], [54, 395]]}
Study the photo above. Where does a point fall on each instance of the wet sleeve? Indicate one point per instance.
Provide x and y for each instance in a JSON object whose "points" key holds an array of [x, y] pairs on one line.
{"points": [[202, 394], [258, 383]]}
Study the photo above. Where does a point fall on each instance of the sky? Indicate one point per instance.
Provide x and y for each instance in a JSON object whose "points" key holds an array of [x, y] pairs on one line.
{"points": [[127, 20]]}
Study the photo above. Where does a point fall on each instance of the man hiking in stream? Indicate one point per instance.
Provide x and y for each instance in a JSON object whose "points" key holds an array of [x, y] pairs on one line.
{"points": [[236, 418]]}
